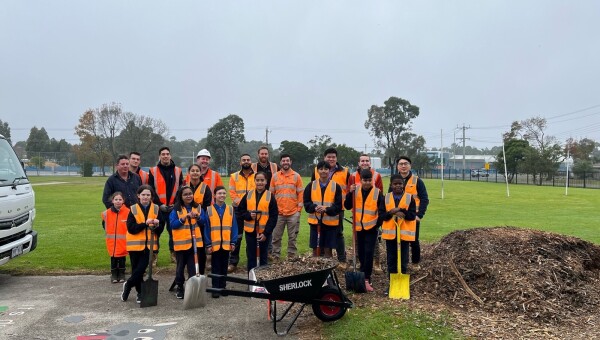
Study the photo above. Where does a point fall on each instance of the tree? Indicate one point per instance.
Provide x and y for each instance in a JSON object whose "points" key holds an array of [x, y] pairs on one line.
{"points": [[110, 123], [302, 157], [543, 155], [319, 144], [581, 151], [92, 140], [515, 150], [38, 141], [143, 134], [5, 130], [251, 148], [223, 138], [390, 126], [346, 155]]}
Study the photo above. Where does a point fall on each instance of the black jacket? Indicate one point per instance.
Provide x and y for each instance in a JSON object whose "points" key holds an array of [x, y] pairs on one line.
{"points": [[128, 188]]}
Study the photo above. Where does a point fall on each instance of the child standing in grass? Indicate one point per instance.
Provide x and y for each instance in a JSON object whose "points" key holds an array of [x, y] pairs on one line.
{"points": [[114, 223]]}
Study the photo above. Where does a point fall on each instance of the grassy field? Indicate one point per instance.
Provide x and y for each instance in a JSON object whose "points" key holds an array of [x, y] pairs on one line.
{"points": [[71, 237]]}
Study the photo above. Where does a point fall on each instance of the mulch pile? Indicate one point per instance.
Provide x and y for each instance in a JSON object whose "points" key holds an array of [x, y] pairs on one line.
{"points": [[518, 279], [299, 265]]}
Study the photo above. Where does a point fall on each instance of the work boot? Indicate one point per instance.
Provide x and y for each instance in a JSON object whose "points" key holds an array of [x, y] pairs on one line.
{"points": [[121, 275], [368, 286], [173, 257], [126, 291], [180, 292], [114, 275]]}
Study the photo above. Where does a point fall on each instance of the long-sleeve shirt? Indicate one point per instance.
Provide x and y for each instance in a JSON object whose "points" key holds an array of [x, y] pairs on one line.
{"points": [[175, 222], [332, 210], [349, 203], [133, 227], [127, 187], [409, 214], [205, 222]]}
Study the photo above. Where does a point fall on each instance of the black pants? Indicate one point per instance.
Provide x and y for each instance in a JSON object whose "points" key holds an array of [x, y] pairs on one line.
{"points": [[219, 261], [251, 250], [340, 247], [185, 258], [415, 246], [365, 242], [117, 263], [139, 263], [234, 258], [391, 247]]}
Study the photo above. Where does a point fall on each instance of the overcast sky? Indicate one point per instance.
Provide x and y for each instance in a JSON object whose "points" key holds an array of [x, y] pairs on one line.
{"points": [[303, 68]]}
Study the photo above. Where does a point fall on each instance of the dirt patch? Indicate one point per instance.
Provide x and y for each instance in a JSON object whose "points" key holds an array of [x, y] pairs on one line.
{"points": [[504, 282]]}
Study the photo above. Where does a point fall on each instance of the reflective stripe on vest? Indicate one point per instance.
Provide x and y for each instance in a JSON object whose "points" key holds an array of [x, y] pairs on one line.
{"points": [[327, 200], [199, 193], [263, 209], [411, 188], [115, 231], [388, 228], [182, 237], [366, 209], [160, 185], [143, 176], [220, 227], [240, 185], [138, 242]]}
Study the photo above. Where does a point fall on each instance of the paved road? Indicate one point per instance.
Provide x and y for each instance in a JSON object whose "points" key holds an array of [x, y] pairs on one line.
{"points": [[89, 307]]}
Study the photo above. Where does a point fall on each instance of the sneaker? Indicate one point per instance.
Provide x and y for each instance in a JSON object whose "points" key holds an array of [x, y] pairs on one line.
{"points": [[138, 298], [126, 291], [368, 286], [179, 293]]}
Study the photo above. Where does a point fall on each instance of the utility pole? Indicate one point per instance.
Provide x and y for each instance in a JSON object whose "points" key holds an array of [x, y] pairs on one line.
{"points": [[464, 165], [267, 135]]}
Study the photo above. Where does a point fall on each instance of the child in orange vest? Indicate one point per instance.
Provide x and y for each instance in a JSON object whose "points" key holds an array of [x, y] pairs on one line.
{"points": [[114, 223]]}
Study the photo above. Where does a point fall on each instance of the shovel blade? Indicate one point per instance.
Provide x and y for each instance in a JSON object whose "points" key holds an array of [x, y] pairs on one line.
{"points": [[149, 293], [195, 292], [399, 286], [355, 281]]}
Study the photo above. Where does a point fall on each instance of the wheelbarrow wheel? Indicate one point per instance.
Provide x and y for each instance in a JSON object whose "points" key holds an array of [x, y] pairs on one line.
{"points": [[329, 313]]}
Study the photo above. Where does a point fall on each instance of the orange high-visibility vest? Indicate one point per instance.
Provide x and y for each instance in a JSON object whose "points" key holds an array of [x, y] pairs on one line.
{"points": [[327, 200], [220, 227], [115, 231], [356, 177], [410, 187], [211, 178], [288, 191], [160, 185], [263, 208], [139, 241], [273, 166], [143, 175], [239, 186], [182, 237], [408, 229], [365, 208], [339, 177], [199, 193]]}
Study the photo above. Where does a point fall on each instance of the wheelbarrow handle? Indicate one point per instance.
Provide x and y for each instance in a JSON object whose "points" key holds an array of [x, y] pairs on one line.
{"points": [[235, 279]]}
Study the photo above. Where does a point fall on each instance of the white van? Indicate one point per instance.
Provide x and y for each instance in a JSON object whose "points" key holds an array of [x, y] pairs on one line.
{"points": [[17, 206]]}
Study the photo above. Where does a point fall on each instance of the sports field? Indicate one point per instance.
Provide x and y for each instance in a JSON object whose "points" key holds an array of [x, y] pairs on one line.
{"points": [[71, 236]]}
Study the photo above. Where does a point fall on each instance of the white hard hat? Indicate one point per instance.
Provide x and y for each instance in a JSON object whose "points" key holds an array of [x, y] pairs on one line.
{"points": [[203, 152]]}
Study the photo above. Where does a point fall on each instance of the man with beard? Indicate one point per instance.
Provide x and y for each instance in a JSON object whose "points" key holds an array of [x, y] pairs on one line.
{"points": [[263, 164], [240, 183], [165, 178], [286, 185], [134, 166]]}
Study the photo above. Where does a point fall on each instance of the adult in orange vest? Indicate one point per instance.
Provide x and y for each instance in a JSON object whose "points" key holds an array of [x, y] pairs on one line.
{"points": [[322, 200], [240, 182], [369, 212], [220, 232], [143, 222], [208, 176], [258, 209], [165, 178], [286, 185], [114, 223], [414, 186], [135, 159], [264, 165], [186, 213], [400, 209], [341, 176]]}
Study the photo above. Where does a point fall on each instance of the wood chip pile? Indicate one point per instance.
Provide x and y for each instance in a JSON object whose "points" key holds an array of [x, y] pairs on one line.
{"points": [[299, 265], [520, 273]]}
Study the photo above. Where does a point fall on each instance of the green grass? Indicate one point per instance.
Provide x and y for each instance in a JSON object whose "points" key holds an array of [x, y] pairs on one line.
{"points": [[388, 323]]}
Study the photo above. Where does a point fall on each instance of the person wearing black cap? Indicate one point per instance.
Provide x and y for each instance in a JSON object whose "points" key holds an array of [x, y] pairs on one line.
{"points": [[369, 209], [414, 186]]}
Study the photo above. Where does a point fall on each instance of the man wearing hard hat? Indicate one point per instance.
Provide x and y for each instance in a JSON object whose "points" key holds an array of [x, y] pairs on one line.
{"points": [[211, 178]]}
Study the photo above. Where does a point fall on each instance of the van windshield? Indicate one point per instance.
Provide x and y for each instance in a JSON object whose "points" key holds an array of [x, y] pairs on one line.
{"points": [[11, 170]]}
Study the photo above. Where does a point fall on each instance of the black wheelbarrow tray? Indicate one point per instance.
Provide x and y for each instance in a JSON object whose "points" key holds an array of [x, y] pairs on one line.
{"points": [[319, 288]]}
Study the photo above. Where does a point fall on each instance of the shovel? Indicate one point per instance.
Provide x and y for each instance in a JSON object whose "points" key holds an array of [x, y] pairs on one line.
{"points": [[150, 286], [355, 281], [318, 250], [251, 274], [195, 288], [399, 283]]}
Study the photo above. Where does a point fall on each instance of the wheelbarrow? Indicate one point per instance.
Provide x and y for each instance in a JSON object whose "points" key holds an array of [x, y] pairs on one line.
{"points": [[319, 288]]}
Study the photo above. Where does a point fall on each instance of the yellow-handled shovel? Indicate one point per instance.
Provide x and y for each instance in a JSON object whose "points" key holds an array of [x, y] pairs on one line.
{"points": [[399, 283]]}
